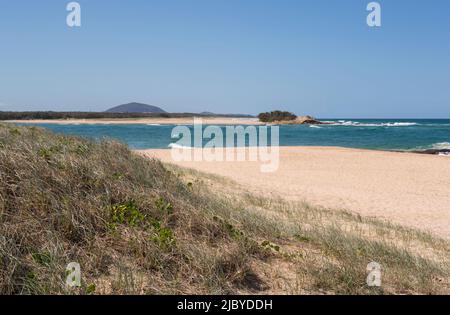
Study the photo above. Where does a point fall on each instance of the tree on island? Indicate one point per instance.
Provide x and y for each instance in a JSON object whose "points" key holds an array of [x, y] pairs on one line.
{"points": [[276, 115]]}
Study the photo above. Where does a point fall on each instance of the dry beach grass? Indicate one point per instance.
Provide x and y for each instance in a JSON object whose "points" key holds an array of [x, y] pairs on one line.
{"points": [[138, 226]]}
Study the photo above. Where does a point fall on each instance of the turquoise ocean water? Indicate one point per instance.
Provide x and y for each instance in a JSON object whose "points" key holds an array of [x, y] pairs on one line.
{"points": [[381, 134]]}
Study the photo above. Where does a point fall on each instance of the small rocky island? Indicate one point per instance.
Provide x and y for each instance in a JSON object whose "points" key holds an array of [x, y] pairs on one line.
{"points": [[288, 118]]}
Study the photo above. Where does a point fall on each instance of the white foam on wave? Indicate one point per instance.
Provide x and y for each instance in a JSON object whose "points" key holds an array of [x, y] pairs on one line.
{"points": [[400, 124], [314, 126], [153, 124], [440, 146], [178, 146], [359, 124]]}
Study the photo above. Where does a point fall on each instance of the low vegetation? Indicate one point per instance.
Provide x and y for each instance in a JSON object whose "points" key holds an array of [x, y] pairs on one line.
{"points": [[276, 116], [137, 226]]}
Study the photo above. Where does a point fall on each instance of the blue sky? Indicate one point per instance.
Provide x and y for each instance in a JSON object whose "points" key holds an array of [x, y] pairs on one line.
{"points": [[315, 57]]}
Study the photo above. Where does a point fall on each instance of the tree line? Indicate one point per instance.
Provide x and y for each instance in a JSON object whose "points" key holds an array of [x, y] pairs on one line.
{"points": [[99, 115]]}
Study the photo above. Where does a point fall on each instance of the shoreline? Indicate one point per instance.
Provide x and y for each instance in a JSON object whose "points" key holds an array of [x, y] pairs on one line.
{"points": [[435, 152], [409, 189]]}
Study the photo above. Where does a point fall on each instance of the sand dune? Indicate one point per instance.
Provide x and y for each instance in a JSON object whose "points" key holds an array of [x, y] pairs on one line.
{"points": [[405, 188]]}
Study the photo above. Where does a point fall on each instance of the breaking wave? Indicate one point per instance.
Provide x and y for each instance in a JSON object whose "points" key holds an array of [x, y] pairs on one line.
{"points": [[440, 146], [362, 124], [178, 146]]}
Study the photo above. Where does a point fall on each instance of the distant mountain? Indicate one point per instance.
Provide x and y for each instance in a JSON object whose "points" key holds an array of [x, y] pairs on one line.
{"points": [[135, 108]]}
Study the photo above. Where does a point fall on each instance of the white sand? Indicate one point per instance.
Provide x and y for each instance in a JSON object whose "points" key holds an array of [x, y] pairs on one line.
{"points": [[405, 188]]}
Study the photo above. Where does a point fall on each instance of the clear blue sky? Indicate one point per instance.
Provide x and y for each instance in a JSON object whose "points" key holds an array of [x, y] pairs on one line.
{"points": [[314, 57]]}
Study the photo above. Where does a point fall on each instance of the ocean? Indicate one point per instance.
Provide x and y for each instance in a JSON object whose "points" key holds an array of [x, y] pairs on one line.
{"points": [[379, 134]]}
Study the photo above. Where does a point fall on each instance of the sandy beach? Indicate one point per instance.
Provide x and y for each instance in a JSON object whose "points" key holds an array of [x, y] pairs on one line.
{"points": [[144, 121], [404, 188]]}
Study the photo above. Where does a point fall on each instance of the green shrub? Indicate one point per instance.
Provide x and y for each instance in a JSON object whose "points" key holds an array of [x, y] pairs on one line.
{"points": [[276, 116], [126, 213], [164, 206]]}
